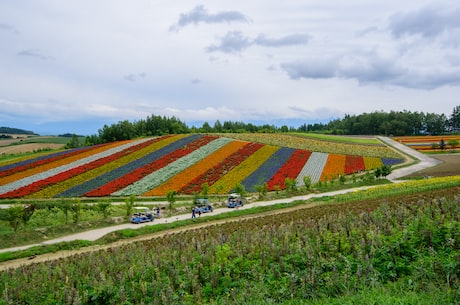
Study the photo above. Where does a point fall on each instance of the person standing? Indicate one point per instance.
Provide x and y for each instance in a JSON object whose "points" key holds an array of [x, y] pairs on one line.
{"points": [[193, 213]]}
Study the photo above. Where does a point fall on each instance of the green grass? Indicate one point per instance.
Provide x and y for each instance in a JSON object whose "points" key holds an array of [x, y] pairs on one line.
{"points": [[342, 139]]}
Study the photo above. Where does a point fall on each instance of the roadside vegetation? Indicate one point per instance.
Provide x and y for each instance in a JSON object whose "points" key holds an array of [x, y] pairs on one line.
{"points": [[384, 249]]}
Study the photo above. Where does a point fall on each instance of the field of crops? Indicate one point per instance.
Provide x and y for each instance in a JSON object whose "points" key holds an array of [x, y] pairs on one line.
{"points": [[429, 143], [182, 163], [408, 242]]}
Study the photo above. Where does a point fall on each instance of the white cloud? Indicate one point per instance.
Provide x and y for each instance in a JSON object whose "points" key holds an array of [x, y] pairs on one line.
{"points": [[112, 60]]}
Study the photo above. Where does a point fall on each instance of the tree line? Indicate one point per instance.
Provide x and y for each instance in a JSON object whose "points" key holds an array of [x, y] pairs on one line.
{"points": [[397, 123]]}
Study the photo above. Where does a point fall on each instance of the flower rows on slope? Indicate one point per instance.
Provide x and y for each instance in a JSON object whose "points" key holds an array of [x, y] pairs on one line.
{"points": [[291, 169], [185, 177], [215, 173], [108, 174], [91, 176], [20, 166], [335, 166], [170, 169], [41, 184], [227, 182], [354, 164], [45, 171], [268, 169], [372, 163], [313, 168]]}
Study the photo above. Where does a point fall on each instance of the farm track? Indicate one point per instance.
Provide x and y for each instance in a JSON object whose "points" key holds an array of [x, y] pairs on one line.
{"points": [[424, 162]]}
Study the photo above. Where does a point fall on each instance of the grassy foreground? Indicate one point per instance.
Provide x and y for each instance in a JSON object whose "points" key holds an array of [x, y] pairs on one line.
{"points": [[401, 250]]}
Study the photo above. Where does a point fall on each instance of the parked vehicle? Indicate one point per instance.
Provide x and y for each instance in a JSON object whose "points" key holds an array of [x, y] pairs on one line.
{"points": [[234, 201], [201, 201], [204, 208], [141, 214]]}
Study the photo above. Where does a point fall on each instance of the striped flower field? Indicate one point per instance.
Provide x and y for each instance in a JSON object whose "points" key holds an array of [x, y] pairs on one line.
{"points": [[181, 163]]}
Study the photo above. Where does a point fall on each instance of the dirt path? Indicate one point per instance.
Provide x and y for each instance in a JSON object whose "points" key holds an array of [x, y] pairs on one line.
{"points": [[425, 162]]}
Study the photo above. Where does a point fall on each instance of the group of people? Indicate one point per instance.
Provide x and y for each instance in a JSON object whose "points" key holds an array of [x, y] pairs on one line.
{"points": [[196, 211]]}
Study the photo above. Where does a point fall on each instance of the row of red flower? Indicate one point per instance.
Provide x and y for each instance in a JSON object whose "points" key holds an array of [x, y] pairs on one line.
{"points": [[141, 172], [40, 184]]}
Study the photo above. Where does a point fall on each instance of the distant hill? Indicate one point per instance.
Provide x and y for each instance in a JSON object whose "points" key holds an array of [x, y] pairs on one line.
{"points": [[10, 130]]}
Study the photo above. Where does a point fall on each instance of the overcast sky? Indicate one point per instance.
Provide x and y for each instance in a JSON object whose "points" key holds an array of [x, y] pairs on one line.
{"points": [[76, 65]]}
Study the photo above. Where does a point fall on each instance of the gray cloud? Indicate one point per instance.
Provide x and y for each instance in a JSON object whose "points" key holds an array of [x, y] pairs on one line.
{"points": [[195, 81], [427, 22], [234, 42], [7, 27], [134, 77], [200, 15], [314, 69], [34, 53], [290, 40], [370, 68]]}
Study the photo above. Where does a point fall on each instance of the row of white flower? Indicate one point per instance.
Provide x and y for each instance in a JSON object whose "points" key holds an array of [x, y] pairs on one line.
{"points": [[54, 171], [162, 175], [313, 167]]}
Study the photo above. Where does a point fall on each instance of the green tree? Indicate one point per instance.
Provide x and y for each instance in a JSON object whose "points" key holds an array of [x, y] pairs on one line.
{"points": [[104, 207], [129, 204], [290, 184], [14, 216], [76, 209], [307, 182], [239, 189], [204, 190], [171, 197], [454, 120], [262, 189], [65, 207], [74, 143], [28, 211]]}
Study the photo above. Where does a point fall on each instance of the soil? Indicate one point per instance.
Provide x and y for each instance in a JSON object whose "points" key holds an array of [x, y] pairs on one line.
{"points": [[450, 166], [28, 147]]}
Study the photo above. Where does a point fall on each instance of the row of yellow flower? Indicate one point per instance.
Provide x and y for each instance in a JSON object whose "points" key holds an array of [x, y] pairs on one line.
{"points": [[57, 163], [58, 188], [184, 177], [244, 169], [371, 163]]}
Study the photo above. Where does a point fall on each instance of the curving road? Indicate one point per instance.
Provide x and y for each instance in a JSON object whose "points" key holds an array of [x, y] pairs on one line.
{"points": [[424, 162]]}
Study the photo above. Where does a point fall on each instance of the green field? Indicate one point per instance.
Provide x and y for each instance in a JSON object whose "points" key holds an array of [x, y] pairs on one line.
{"points": [[400, 250], [342, 139]]}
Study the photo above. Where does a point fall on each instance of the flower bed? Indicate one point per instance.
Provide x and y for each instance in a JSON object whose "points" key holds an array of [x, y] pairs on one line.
{"points": [[199, 168], [242, 170], [268, 169], [313, 168], [214, 174], [27, 177], [165, 168], [40, 184], [124, 167], [335, 166], [291, 169]]}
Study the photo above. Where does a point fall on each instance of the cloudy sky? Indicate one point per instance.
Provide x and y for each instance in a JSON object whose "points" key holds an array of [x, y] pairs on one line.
{"points": [[76, 65]]}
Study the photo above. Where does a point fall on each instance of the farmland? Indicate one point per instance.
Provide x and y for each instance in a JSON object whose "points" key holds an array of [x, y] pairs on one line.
{"points": [[431, 143], [395, 243], [149, 166], [405, 249]]}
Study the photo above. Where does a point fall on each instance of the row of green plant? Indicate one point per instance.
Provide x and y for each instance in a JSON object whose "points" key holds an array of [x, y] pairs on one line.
{"points": [[387, 249]]}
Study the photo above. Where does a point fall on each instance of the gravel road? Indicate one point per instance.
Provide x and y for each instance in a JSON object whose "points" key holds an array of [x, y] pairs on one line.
{"points": [[425, 162]]}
